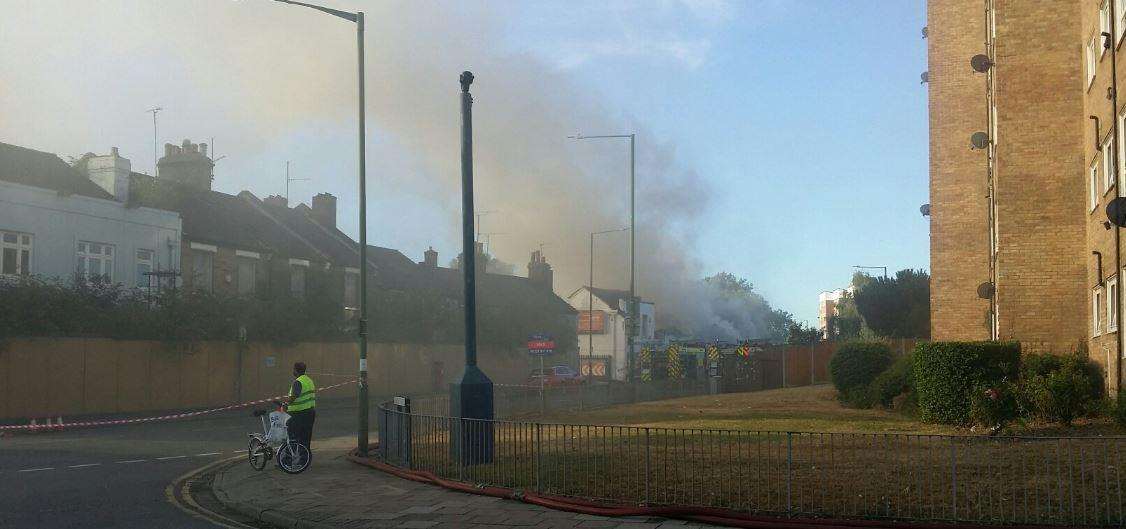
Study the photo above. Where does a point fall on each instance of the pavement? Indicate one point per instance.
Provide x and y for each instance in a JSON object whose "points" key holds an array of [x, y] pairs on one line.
{"points": [[117, 476], [338, 493]]}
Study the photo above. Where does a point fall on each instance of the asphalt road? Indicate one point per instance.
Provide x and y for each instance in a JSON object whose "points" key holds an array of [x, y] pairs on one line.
{"points": [[116, 476]]}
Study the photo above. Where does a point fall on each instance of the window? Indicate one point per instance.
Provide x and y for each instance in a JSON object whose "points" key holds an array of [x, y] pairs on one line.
{"points": [[1092, 58], [1096, 312], [144, 267], [1108, 166], [95, 260], [297, 280], [1120, 10], [1104, 25], [246, 268], [1094, 178], [15, 253], [203, 262], [1111, 304]]}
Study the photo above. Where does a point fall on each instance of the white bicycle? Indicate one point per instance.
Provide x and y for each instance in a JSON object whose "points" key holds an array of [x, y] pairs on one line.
{"points": [[292, 457]]}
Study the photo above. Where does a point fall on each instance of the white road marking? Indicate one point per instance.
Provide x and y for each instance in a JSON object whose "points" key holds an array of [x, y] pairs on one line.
{"points": [[208, 454], [130, 461], [36, 469], [166, 458], [85, 465]]}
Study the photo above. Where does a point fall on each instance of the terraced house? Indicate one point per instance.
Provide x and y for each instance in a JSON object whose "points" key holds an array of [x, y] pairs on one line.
{"points": [[1026, 152]]}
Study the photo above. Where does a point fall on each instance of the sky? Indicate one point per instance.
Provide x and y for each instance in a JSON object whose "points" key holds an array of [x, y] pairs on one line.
{"points": [[782, 141]]}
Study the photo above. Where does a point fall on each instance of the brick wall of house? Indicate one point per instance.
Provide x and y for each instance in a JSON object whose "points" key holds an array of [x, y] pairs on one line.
{"points": [[1041, 229], [958, 221]]}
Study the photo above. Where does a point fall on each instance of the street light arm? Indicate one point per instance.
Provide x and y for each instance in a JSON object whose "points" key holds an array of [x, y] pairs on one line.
{"points": [[334, 12], [609, 231], [586, 137]]}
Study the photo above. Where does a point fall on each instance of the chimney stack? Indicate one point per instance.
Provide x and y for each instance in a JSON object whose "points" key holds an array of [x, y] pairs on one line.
{"points": [[324, 210], [186, 165], [430, 258], [276, 200], [540, 273], [110, 172]]}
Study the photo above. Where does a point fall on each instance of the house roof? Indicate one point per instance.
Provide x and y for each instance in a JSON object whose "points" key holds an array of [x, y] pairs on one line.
{"points": [[219, 218], [611, 297], [493, 290], [45, 170]]}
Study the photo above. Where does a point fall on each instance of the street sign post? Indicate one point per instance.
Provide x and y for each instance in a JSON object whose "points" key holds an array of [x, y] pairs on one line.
{"points": [[541, 345]]}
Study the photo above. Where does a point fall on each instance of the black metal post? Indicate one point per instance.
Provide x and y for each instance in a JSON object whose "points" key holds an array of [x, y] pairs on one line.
{"points": [[362, 427], [471, 397]]}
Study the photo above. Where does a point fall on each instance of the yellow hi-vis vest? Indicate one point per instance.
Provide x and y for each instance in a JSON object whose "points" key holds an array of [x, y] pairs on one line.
{"points": [[308, 398]]}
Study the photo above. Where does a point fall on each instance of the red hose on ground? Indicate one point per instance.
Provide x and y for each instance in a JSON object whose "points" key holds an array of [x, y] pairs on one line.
{"points": [[698, 514]]}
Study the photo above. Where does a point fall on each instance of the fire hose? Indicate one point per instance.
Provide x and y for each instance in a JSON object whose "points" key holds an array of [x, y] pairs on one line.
{"points": [[709, 515]]}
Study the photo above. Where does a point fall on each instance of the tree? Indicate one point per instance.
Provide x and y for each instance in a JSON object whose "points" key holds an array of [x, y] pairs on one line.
{"points": [[802, 334], [896, 307]]}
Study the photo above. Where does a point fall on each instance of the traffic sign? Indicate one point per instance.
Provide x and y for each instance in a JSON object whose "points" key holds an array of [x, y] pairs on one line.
{"points": [[541, 345]]}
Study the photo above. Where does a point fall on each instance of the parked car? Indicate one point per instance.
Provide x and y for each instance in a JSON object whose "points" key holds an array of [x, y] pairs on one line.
{"points": [[556, 376]]}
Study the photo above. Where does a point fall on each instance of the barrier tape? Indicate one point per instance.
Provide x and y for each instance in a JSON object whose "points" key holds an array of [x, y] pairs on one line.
{"points": [[84, 424]]}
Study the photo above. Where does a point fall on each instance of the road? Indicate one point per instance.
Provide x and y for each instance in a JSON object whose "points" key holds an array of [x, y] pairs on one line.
{"points": [[116, 476]]}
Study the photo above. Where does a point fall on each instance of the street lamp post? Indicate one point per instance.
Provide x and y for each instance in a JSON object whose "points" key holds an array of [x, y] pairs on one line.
{"points": [[631, 330], [471, 397], [362, 427], [590, 300]]}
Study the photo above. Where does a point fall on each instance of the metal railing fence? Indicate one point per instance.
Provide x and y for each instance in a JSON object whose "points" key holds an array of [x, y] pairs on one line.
{"points": [[998, 480]]}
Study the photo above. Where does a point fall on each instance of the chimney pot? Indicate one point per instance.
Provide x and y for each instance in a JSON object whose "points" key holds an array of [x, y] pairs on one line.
{"points": [[113, 152], [203, 149], [430, 258], [276, 200]]}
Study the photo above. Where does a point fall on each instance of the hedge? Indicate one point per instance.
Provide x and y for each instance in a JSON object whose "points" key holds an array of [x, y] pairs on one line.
{"points": [[855, 365], [946, 372]]}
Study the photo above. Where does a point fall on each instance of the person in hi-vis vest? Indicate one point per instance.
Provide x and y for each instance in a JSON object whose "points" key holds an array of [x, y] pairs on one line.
{"points": [[301, 406]]}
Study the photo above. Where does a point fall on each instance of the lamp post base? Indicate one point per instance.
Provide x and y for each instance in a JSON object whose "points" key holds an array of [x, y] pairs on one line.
{"points": [[471, 406]]}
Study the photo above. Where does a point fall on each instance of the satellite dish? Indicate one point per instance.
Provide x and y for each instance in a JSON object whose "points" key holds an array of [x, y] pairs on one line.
{"points": [[925, 76], [981, 63], [985, 290], [925, 209], [924, 32], [979, 140], [1116, 212]]}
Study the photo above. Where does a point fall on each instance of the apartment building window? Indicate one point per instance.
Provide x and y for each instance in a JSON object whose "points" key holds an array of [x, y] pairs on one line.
{"points": [[15, 253], [144, 267], [1111, 304], [1092, 58], [1104, 24], [1096, 311], [1110, 165], [246, 270], [1120, 10], [1094, 184], [298, 268], [95, 260]]}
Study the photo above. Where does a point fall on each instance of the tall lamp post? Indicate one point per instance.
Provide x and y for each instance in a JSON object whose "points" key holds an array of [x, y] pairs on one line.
{"points": [[632, 327], [362, 427], [471, 397], [590, 300]]}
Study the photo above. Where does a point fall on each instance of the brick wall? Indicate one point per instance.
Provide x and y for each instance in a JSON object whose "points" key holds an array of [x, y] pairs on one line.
{"points": [[959, 231]]}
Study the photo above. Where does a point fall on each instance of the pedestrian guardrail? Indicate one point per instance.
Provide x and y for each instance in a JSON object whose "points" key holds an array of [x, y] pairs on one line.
{"points": [[993, 480]]}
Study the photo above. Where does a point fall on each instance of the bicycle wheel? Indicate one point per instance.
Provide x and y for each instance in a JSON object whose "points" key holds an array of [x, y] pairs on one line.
{"points": [[257, 453], [294, 457]]}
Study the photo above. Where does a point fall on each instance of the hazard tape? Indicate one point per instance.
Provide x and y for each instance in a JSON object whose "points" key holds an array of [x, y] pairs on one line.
{"points": [[84, 424]]}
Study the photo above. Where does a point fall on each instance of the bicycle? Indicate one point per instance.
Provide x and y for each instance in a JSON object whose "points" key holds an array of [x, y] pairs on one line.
{"points": [[292, 457]]}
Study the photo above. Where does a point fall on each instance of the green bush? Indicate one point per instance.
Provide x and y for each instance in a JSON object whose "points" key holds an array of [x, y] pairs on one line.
{"points": [[1061, 388], [855, 365], [994, 405], [893, 382], [946, 372], [1119, 409]]}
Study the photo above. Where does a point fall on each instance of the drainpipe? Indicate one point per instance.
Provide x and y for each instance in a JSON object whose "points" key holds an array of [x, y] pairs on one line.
{"points": [[1111, 43], [1098, 267]]}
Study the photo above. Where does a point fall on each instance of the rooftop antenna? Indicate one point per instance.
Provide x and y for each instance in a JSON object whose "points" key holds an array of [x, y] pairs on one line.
{"points": [[217, 158], [489, 238], [479, 215], [155, 149], [288, 180]]}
